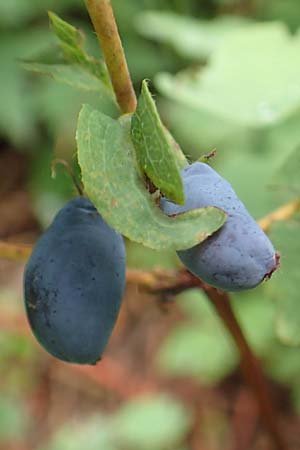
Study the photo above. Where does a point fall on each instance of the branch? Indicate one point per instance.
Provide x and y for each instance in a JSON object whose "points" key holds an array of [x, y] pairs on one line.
{"points": [[285, 212], [250, 366], [15, 252], [102, 17]]}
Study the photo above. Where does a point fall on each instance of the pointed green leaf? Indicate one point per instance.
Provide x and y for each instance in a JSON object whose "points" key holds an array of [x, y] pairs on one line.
{"points": [[71, 42], [80, 70], [155, 148], [65, 32], [73, 75], [114, 184]]}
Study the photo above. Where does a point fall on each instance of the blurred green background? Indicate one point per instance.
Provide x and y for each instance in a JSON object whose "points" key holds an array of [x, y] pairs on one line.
{"points": [[225, 74]]}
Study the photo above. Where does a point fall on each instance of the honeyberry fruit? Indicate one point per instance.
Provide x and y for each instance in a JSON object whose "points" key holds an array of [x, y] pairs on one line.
{"points": [[74, 282], [238, 256]]}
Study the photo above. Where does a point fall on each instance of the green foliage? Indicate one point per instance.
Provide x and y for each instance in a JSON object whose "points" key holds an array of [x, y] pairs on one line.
{"points": [[18, 12], [13, 419], [48, 194], [240, 84], [79, 70], [146, 258], [25, 35], [113, 183], [242, 153], [155, 148], [286, 176], [284, 288], [71, 42], [227, 105], [17, 107], [170, 420], [286, 11], [74, 75], [148, 423], [91, 434], [244, 101], [204, 353], [15, 346], [191, 38], [199, 347]]}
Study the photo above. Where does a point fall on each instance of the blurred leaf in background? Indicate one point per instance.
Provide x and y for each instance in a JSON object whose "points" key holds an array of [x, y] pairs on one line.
{"points": [[241, 84], [14, 421], [170, 420], [200, 347], [285, 287], [17, 109], [149, 423], [190, 38]]}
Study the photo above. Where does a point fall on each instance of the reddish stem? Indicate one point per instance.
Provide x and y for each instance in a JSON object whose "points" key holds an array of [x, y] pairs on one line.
{"points": [[250, 365]]}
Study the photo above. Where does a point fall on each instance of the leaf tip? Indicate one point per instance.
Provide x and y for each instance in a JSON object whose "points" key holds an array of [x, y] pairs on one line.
{"points": [[52, 16]]}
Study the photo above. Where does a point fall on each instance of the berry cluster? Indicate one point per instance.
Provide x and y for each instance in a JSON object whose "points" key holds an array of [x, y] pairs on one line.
{"points": [[75, 278]]}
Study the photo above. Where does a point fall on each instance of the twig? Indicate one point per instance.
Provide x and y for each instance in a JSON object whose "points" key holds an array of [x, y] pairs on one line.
{"points": [[102, 17], [15, 252], [283, 213]]}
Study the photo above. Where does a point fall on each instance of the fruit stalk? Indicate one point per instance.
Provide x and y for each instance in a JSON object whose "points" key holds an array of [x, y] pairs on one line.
{"points": [[102, 17]]}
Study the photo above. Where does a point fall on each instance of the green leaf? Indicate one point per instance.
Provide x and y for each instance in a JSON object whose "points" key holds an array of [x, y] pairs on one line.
{"points": [[17, 106], [240, 83], [114, 184], [185, 350], [14, 422], [200, 347], [90, 433], [284, 287], [66, 33], [191, 38], [155, 149], [277, 10], [287, 176], [151, 423], [185, 353], [145, 258], [73, 75], [71, 42], [81, 70], [283, 363], [15, 13], [256, 315]]}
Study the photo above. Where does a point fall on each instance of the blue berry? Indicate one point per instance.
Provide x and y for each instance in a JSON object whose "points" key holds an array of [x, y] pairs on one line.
{"points": [[238, 256]]}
